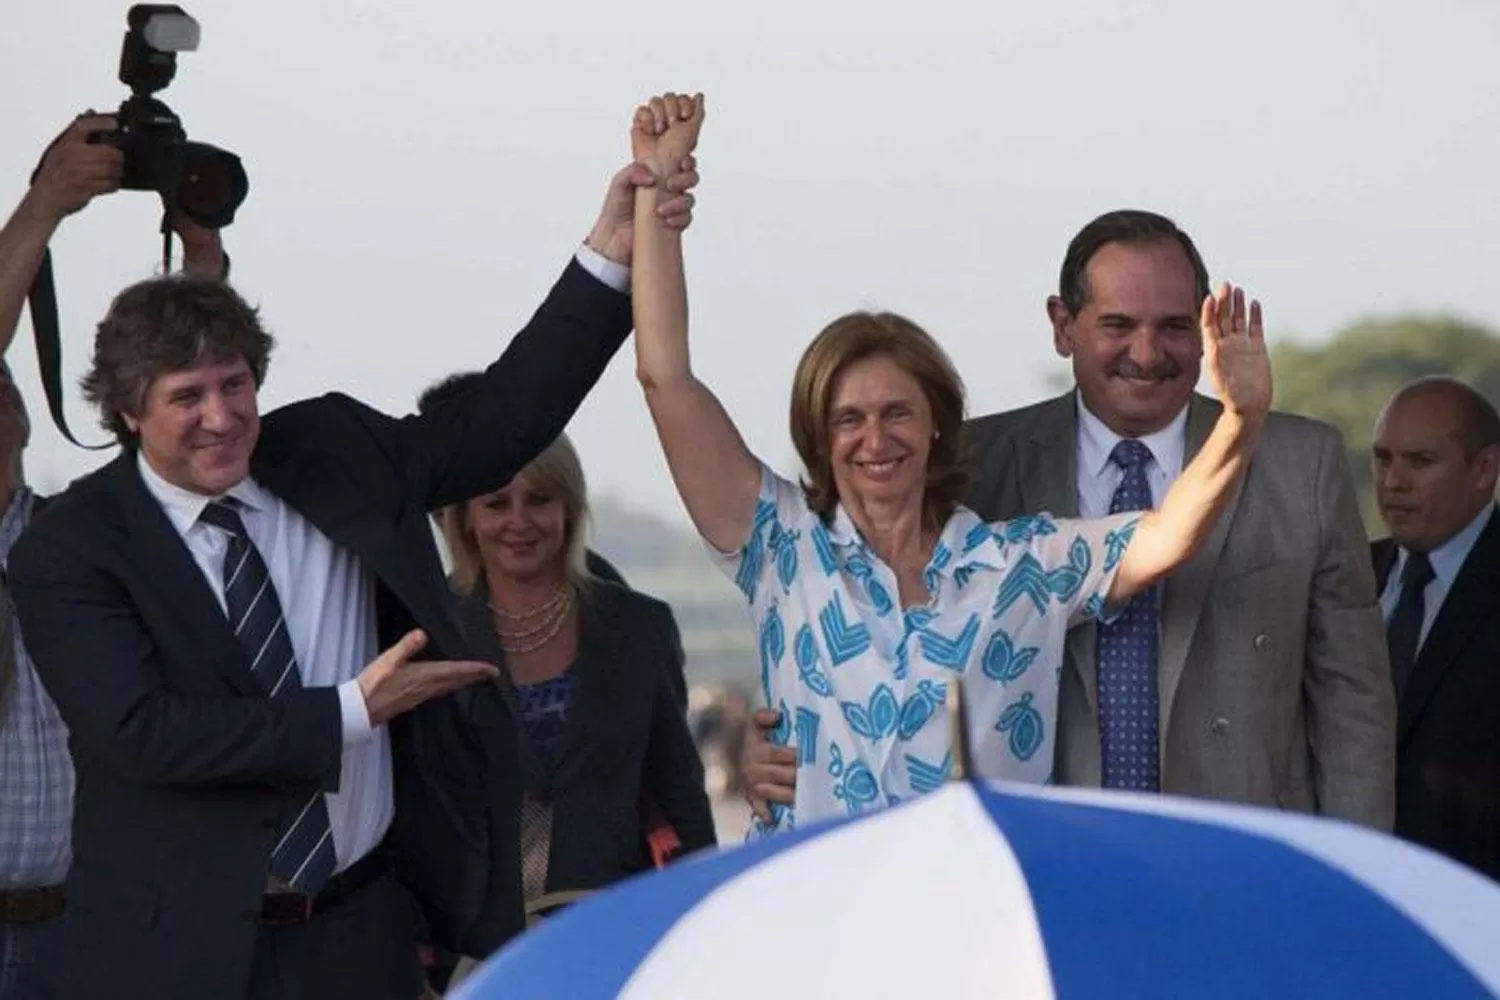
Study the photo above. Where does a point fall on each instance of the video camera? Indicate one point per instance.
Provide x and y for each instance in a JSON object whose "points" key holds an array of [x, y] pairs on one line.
{"points": [[204, 182]]}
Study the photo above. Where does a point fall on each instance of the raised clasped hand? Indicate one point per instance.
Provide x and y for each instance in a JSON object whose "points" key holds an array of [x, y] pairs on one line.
{"points": [[665, 130]]}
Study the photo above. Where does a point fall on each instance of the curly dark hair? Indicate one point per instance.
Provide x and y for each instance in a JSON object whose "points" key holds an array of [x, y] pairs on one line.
{"points": [[166, 325]]}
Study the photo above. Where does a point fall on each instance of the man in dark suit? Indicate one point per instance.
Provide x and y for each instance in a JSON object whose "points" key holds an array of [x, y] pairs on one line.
{"points": [[1436, 457], [207, 612]]}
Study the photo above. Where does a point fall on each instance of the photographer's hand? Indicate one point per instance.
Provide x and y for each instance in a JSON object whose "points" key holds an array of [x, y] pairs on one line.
{"points": [[202, 249], [73, 172]]}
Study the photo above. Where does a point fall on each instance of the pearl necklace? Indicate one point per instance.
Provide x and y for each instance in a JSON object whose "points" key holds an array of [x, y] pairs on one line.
{"points": [[548, 605], [515, 643]]}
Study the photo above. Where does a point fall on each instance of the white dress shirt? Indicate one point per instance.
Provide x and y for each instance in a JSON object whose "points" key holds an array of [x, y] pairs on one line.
{"points": [[328, 600], [1447, 559], [1098, 477]]}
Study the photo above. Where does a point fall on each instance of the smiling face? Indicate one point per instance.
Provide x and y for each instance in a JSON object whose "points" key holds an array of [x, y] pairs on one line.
{"points": [[880, 429], [522, 530], [1135, 344], [198, 427]]}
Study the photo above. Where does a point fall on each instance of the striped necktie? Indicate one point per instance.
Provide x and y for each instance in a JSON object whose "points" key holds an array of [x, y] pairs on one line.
{"points": [[303, 857]]}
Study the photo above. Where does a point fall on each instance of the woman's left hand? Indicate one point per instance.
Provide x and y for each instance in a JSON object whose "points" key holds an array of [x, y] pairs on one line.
{"points": [[1234, 349]]}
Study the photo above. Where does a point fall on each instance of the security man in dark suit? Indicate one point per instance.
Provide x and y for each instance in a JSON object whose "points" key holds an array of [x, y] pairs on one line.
{"points": [[1436, 456]]}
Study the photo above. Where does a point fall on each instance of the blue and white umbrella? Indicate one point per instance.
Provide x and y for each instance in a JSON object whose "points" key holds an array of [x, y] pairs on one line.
{"points": [[1017, 892]]}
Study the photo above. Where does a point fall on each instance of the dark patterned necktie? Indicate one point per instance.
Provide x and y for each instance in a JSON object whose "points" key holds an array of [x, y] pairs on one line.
{"points": [[1403, 632], [303, 857], [1128, 695]]}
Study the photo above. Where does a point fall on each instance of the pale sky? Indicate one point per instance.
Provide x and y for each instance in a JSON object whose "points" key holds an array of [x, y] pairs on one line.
{"points": [[420, 172]]}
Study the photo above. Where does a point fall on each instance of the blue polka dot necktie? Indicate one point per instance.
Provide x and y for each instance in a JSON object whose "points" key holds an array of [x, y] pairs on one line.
{"points": [[1127, 656]]}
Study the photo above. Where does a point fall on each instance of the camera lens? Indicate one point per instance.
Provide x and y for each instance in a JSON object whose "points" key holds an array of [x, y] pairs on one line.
{"points": [[210, 185]]}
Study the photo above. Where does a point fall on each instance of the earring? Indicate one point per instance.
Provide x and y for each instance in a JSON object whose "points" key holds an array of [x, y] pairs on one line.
{"points": [[936, 435]]}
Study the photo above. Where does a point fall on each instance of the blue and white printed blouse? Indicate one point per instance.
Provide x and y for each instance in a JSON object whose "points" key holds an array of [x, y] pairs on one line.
{"points": [[860, 684]]}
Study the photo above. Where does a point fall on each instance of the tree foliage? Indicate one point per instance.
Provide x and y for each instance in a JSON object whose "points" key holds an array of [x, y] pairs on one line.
{"points": [[1347, 380]]}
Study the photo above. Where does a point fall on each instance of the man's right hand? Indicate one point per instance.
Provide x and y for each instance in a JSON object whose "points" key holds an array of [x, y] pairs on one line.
{"points": [[769, 772], [74, 171], [392, 683]]}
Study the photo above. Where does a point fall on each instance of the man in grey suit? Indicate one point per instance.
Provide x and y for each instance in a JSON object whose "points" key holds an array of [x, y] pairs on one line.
{"points": [[1265, 680]]}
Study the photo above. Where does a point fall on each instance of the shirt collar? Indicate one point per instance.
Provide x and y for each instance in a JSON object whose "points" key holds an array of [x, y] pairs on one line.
{"points": [[1096, 442], [841, 529], [1447, 559], [958, 538], [184, 507]]}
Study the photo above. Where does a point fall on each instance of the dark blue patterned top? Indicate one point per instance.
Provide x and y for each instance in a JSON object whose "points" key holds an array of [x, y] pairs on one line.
{"points": [[544, 713]]}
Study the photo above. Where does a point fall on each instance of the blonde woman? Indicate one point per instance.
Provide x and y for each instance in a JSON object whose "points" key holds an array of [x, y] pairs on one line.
{"points": [[593, 679]]}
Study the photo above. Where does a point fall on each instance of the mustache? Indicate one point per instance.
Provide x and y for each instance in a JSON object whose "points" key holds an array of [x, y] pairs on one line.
{"points": [[1160, 372]]}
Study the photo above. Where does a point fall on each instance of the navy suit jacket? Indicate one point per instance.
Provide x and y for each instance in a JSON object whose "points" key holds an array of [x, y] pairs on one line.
{"points": [[1448, 721], [183, 766]]}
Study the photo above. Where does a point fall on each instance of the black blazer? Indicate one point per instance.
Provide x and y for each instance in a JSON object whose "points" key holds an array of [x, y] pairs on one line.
{"points": [[626, 736], [182, 764], [1448, 730]]}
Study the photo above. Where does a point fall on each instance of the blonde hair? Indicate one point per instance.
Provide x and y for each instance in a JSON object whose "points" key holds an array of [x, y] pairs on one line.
{"points": [[557, 469], [855, 337]]}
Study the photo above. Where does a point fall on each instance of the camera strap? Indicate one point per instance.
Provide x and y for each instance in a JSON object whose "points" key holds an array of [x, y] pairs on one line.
{"points": [[42, 300]]}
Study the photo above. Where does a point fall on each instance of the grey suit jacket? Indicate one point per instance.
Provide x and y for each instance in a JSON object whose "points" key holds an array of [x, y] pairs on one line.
{"points": [[1274, 679]]}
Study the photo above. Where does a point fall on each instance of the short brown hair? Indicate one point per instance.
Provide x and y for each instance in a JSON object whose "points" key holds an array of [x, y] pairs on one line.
{"points": [[1129, 226], [853, 338], [164, 325]]}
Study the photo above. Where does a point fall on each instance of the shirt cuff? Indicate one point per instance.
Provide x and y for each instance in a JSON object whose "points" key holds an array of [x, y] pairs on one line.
{"points": [[616, 276], [356, 716]]}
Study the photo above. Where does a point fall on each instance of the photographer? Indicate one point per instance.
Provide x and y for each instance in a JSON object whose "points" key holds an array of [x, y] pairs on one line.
{"points": [[75, 171], [36, 774]]}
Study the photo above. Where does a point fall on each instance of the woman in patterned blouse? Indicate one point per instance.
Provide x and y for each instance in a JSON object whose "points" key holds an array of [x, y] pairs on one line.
{"points": [[871, 587]]}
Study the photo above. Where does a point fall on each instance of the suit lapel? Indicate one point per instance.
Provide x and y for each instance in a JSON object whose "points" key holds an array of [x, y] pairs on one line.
{"points": [[1047, 473], [1473, 600], [478, 627], [1187, 588], [597, 704], [347, 518], [1047, 478], [1383, 559], [159, 551]]}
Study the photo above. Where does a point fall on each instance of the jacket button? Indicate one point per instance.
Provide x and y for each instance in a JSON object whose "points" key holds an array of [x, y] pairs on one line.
{"points": [[1262, 641], [1219, 725]]}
